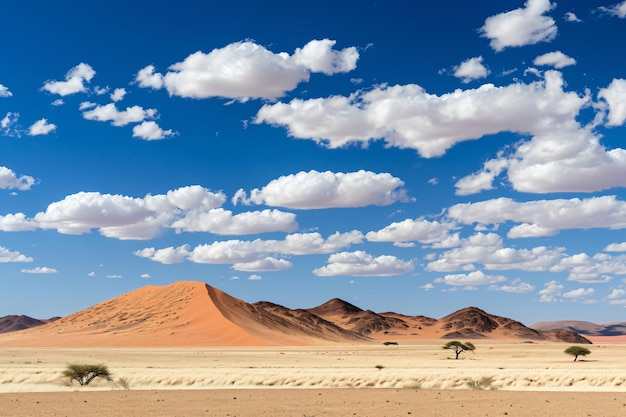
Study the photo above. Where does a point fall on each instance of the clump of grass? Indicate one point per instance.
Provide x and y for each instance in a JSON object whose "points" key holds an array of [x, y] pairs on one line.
{"points": [[484, 383]]}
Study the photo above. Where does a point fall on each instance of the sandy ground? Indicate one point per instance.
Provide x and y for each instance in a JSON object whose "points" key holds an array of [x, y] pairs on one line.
{"points": [[500, 378]]}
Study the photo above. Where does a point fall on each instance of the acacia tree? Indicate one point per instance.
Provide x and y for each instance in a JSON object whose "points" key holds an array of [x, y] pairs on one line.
{"points": [[577, 351], [84, 374], [459, 347]]}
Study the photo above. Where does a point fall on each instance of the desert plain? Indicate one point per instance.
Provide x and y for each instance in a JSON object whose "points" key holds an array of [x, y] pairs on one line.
{"points": [[190, 350], [411, 378]]}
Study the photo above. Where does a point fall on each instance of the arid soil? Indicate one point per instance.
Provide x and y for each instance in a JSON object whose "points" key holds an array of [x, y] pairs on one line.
{"points": [[313, 403]]}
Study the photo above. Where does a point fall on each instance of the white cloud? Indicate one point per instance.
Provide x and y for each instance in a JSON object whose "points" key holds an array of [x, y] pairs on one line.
{"points": [[146, 276], [316, 190], [615, 97], [148, 78], [616, 247], [58, 102], [363, 264], [420, 230], [10, 181], [245, 70], [471, 69], [544, 217], [110, 113], [408, 117], [4, 91], [16, 223], [75, 80], [9, 125], [256, 253], [471, 279], [555, 59], [114, 276], [516, 286], [489, 251], [39, 270], [571, 17], [86, 105], [618, 9], [117, 216], [595, 269], [579, 293], [41, 127], [8, 256], [150, 130], [255, 277], [265, 264], [616, 294], [519, 27], [166, 256], [223, 222], [241, 252], [118, 94], [551, 292]]}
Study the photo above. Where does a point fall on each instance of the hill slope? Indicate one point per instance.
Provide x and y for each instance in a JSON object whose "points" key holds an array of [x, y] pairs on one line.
{"points": [[187, 314]]}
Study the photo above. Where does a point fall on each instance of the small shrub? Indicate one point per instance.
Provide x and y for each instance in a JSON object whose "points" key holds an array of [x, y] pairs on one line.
{"points": [[484, 383]]}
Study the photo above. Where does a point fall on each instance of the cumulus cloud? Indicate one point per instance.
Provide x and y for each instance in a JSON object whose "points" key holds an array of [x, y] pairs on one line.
{"points": [[118, 94], [41, 127], [551, 292], [117, 216], [4, 91], [257, 253], [555, 59], [471, 69], [595, 269], [471, 279], [150, 130], [544, 217], [8, 256], [39, 270], [166, 256], [223, 222], [616, 247], [618, 9], [571, 17], [408, 117], [265, 264], [516, 286], [10, 181], [317, 190], [75, 80], [409, 230], [579, 293], [9, 125], [246, 70], [524, 26], [488, 250], [615, 97], [110, 113], [363, 264]]}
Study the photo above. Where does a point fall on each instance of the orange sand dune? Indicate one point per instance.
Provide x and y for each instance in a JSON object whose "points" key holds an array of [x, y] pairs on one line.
{"points": [[180, 314]]}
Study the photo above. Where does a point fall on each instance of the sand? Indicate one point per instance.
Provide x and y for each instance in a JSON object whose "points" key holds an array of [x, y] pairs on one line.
{"points": [[419, 378]]}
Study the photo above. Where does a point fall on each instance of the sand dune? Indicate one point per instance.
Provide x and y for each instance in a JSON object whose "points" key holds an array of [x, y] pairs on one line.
{"points": [[194, 314]]}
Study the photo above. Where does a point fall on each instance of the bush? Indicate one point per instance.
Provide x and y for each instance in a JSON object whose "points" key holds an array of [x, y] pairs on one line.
{"points": [[577, 351]]}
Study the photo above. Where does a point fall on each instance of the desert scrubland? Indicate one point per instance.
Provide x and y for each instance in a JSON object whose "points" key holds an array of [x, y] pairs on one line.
{"points": [[369, 379]]}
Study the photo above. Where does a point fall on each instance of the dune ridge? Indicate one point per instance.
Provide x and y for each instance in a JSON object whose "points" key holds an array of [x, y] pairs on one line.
{"points": [[195, 314]]}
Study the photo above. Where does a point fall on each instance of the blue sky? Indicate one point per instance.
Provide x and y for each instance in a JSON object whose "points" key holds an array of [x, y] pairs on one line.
{"points": [[418, 157]]}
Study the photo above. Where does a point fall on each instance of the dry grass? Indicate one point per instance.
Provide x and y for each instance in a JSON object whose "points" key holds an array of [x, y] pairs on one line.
{"points": [[496, 365]]}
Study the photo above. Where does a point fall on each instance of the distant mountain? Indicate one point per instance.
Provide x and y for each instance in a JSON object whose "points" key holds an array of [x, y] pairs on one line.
{"points": [[15, 323], [186, 314], [583, 327]]}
